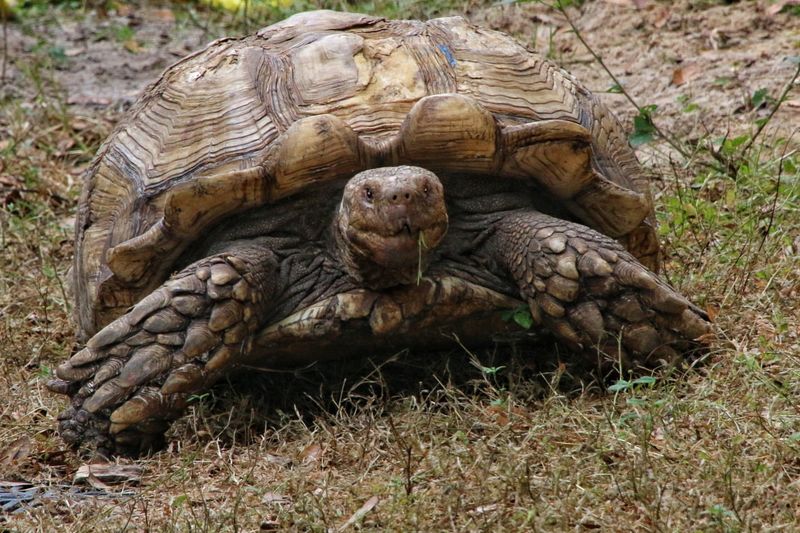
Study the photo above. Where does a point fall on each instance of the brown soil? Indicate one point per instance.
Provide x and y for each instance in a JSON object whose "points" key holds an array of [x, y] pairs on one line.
{"points": [[670, 54]]}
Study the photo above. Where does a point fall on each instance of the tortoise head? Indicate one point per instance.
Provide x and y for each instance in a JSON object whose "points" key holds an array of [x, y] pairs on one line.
{"points": [[389, 221]]}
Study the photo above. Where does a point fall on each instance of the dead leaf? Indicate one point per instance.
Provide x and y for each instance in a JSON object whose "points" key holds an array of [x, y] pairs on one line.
{"points": [[778, 6], [361, 513], [311, 453], [276, 459], [712, 311], [108, 474], [65, 144], [662, 17], [162, 15], [685, 73], [481, 509], [132, 46], [638, 4], [499, 414], [16, 452], [95, 482], [272, 497]]}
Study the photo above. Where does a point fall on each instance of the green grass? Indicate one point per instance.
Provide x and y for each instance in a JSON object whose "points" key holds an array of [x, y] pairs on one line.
{"points": [[496, 440]]}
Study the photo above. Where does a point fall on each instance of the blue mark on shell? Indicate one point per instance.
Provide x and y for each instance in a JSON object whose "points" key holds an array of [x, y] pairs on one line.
{"points": [[448, 54]]}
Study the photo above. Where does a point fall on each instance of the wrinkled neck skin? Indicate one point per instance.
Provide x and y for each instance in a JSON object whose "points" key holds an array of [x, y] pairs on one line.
{"points": [[387, 225]]}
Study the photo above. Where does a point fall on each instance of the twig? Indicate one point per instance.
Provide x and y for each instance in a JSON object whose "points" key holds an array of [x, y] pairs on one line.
{"points": [[5, 46], [774, 110], [672, 142]]}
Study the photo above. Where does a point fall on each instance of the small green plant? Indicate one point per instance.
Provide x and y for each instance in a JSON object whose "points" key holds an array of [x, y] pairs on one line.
{"points": [[644, 130], [760, 97], [521, 316], [624, 385], [197, 398], [687, 105]]}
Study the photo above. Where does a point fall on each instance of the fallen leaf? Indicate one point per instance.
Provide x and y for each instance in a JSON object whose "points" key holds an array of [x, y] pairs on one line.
{"points": [[277, 459], [107, 474], [685, 73], [662, 17], [95, 482], [778, 6], [163, 15], [638, 4], [272, 497], [16, 452], [712, 311], [65, 144], [361, 513], [311, 453], [132, 46], [499, 414], [481, 509]]}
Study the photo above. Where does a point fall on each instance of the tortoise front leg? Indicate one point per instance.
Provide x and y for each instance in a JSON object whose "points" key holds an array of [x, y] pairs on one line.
{"points": [[137, 374], [592, 294]]}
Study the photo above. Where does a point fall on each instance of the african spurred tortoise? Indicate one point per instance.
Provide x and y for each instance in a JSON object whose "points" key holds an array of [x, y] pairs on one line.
{"points": [[340, 183]]}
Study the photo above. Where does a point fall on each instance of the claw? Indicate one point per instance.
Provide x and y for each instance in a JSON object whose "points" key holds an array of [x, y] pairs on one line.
{"points": [[86, 356], [68, 372], [60, 386]]}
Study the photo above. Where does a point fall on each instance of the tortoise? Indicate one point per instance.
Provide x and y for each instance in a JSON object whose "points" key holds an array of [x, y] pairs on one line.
{"points": [[340, 183]]}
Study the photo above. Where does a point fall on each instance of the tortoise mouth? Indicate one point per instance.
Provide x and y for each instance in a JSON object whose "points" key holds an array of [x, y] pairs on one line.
{"points": [[407, 247]]}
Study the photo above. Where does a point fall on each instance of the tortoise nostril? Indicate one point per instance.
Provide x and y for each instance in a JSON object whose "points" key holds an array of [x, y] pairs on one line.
{"points": [[394, 197], [408, 196]]}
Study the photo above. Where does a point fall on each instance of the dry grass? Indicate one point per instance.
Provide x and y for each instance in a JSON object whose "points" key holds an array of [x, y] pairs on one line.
{"points": [[442, 443]]}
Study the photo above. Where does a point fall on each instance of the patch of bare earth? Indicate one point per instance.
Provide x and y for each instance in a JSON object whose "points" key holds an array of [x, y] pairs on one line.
{"points": [[490, 441]]}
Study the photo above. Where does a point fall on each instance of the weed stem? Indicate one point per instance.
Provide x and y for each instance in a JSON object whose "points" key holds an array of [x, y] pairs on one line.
{"points": [[774, 110], [5, 46], [672, 142]]}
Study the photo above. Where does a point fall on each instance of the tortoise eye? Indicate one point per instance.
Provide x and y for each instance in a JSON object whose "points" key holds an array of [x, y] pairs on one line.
{"points": [[425, 190], [368, 192]]}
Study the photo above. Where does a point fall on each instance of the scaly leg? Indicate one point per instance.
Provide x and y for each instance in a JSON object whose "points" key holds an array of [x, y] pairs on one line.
{"points": [[592, 294], [137, 374]]}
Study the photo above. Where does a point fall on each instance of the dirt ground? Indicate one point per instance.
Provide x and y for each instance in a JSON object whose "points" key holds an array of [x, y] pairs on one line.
{"points": [[717, 450]]}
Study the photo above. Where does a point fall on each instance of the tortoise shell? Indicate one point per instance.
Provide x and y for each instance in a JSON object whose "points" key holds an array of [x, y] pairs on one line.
{"points": [[319, 97]]}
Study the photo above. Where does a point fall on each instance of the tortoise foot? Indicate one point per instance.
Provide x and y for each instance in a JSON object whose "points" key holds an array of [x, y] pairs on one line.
{"points": [[137, 374], [595, 297]]}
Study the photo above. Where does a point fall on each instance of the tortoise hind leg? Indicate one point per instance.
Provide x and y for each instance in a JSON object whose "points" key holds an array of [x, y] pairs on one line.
{"points": [[137, 374], [593, 295]]}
